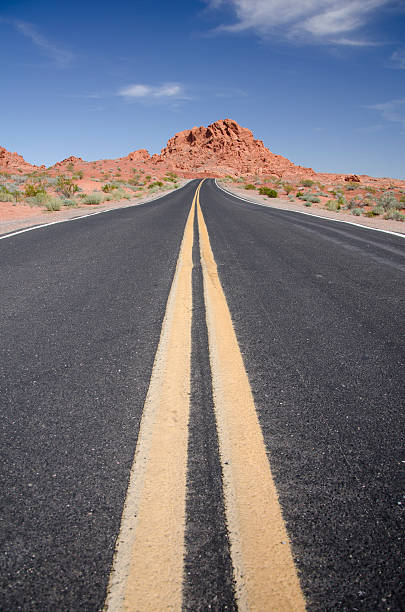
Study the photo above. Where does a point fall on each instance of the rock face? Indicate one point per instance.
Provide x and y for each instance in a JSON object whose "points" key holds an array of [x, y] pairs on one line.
{"points": [[69, 160], [10, 162], [352, 178], [140, 155], [224, 147]]}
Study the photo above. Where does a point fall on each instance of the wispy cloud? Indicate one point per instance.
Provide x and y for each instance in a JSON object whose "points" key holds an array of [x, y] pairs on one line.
{"points": [[173, 91], [398, 59], [60, 56], [392, 111], [326, 21]]}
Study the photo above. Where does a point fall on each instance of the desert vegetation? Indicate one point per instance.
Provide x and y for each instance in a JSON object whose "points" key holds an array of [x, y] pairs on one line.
{"points": [[54, 190], [350, 197]]}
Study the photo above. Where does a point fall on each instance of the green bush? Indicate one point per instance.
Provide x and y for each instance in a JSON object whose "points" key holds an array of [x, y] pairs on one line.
{"points": [[299, 194], [310, 197], [108, 187], [53, 204], [33, 189], [94, 198], [270, 193], [332, 205], [69, 203], [356, 212], [288, 188], [307, 203], [378, 210], [307, 182], [394, 215], [249, 186], [66, 186], [389, 202]]}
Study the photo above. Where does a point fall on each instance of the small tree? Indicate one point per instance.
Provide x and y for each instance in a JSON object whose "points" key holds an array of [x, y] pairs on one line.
{"points": [[66, 186]]}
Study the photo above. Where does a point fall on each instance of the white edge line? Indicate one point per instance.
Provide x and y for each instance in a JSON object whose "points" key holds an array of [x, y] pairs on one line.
{"points": [[100, 212], [301, 212]]}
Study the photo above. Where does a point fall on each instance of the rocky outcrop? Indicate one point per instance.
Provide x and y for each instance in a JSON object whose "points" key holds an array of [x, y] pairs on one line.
{"points": [[140, 155], [224, 147], [352, 178], [10, 162], [69, 160]]}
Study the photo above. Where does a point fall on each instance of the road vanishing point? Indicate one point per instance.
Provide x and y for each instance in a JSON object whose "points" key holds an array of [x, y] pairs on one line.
{"points": [[202, 409]]}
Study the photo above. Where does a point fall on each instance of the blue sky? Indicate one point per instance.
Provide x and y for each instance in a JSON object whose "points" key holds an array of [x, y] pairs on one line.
{"points": [[319, 81]]}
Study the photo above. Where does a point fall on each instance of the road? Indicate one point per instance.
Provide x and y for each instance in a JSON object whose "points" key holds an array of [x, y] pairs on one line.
{"points": [[202, 409]]}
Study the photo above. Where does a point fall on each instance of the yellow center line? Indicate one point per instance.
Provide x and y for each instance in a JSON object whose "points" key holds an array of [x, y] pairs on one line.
{"points": [[148, 563], [264, 569]]}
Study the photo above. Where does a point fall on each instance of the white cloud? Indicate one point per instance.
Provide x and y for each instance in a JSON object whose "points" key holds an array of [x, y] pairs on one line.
{"points": [[392, 111], [398, 57], [60, 56], [167, 90], [320, 20]]}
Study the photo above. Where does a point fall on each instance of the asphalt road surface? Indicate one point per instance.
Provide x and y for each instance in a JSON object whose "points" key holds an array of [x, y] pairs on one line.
{"points": [[97, 315]]}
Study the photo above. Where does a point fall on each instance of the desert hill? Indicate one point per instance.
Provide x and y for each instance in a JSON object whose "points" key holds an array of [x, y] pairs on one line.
{"points": [[223, 148]]}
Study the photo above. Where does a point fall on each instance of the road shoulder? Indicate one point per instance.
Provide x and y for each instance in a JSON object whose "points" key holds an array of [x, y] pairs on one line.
{"points": [[372, 222]]}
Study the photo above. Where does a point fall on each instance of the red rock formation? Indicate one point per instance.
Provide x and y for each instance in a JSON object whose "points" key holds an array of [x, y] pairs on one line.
{"points": [[224, 147], [140, 155], [352, 178], [69, 160], [10, 162]]}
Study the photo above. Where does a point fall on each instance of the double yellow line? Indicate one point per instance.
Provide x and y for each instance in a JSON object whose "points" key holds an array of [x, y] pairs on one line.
{"points": [[147, 571]]}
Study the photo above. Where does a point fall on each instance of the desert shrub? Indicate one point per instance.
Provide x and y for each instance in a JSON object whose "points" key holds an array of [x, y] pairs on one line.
{"points": [[388, 201], [33, 189], [66, 186], [121, 194], [270, 193], [307, 182], [371, 213], [249, 186], [291, 198], [148, 177], [379, 210], [310, 197], [155, 184], [394, 215], [6, 195], [53, 204], [40, 199], [288, 188], [170, 176], [307, 203], [94, 198], [108, 187], [332, 205], [69, 203], [78, 174], [299, 194], [356, 212]]}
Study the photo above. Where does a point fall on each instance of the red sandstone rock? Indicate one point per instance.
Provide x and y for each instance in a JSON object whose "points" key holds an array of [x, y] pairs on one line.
{"points": [[140, 155], [69, 160], [224, 147], [13, 162], [352, 178]]}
